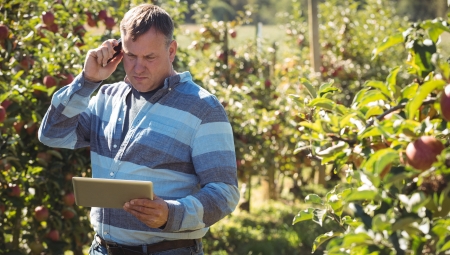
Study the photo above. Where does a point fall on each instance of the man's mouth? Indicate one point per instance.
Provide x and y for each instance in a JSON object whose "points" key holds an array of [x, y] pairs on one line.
{"points": [[139, 78]]}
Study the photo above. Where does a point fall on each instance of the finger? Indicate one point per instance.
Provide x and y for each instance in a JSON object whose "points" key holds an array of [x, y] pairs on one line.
{"points": [[106, 55], [116, 60]]}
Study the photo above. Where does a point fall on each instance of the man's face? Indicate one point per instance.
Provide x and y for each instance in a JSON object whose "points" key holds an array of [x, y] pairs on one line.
{"points": [[148, 60]]}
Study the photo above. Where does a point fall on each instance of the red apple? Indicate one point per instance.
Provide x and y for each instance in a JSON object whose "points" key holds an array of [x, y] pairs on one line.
{"points": [[18, 125], [69, 199], [14, 190], [90, 21], [48, 18], [4, 31], [220, 55], [79, 30], [49, 81], [423, 152], [31, 128], [232, 33], [53, 235], [7, 166], [109, 23], [27, 62], [2, 114], [6, 103], [66, 79], [445, 103], [44, 156], [41, 213], [102, 14], [68, 177], [53, 27], [2, 209], [68, 213]]}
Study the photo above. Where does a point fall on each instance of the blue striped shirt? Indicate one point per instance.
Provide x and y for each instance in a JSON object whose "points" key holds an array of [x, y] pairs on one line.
{"points": [[181, 140]]}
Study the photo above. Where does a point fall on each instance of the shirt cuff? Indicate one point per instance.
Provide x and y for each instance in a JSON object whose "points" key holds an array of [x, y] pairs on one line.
{"points": [[88, 82], [176, 213]]}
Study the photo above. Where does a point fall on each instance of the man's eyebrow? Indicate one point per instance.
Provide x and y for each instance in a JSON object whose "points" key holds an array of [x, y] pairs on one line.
{"points": [[146, 56]]}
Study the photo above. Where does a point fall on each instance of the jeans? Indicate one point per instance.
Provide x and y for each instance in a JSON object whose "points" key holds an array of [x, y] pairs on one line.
{"points": [[97, 249]]}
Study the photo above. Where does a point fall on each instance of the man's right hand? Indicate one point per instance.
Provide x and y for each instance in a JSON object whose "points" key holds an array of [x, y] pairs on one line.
{"points": [[96, 67]]}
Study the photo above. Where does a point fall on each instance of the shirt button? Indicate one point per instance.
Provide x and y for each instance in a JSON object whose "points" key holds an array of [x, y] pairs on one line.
{"points": [[120, 119], [170, 89], [111, 174], [105, 233], [115, 146], [79, 84]]}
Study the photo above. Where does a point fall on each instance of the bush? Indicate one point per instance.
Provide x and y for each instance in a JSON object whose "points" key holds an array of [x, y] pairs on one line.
{"points": [[267, 230]]}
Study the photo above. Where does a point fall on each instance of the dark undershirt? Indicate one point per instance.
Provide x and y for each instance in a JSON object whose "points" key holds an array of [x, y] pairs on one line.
{"points": [[135, 100]]}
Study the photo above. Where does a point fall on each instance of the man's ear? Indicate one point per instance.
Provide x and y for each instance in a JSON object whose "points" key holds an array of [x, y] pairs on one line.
{"points": [[173, 50]]}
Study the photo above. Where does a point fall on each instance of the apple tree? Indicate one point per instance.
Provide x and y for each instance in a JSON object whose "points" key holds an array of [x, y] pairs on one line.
{"points": [[391, 148]]}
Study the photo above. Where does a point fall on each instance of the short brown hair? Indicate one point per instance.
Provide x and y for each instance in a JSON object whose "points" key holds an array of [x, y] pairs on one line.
{"points": [[141, 18]]}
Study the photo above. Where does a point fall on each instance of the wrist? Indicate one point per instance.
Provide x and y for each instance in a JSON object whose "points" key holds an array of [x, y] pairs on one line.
{"points": [[89, 79]]}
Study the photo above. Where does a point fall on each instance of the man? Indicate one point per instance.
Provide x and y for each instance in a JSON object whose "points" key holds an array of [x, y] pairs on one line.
{"points": [[156, 125]]}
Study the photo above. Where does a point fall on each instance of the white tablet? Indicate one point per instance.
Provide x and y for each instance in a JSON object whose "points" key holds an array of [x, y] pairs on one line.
{"points": [[109, 193]]}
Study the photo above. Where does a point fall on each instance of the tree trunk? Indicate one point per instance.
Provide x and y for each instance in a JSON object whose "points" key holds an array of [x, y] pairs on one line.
{"points": [[314, 35]]}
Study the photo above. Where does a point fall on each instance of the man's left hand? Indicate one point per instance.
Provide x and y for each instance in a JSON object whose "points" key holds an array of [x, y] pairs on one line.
{"points": [[153, 213]]}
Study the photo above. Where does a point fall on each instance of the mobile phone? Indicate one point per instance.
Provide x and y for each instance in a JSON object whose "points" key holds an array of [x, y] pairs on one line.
{"points": [[117, 48]]}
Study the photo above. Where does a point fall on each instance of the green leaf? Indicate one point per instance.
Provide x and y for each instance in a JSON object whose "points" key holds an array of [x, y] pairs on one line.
{"points": [[371, 96], [445, 247], [359, 95], [351, 240], [327, 88], [374, 111], [302, 148], [381, 222], [391, 81], [17, 75], [323, 238], [414, 202], [340, 146], [306, 214], [324, 103], [372, 131], [387, 43], [410, 91], [378, 85], [319, 216], [422, 94], [435, 28], [336, 204], [313, 199], [380, 159], [361, 195], [55, 153], [402, 223], [313, 126], [309, 87]]}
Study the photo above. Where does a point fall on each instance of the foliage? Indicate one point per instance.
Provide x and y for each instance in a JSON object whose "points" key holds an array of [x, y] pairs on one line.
{"points": [[37, 56], [267, 230], [385, 206], [348, 31]]}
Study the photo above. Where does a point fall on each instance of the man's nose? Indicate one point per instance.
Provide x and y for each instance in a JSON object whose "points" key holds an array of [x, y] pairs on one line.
{"points": [[139, 66]]}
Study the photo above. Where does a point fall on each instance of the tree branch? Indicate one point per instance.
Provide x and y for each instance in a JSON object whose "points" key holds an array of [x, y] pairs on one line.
{"points": [[397, 107]]}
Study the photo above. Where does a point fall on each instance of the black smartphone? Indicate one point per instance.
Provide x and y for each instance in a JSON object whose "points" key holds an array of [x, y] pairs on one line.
{"points": [[117, 48]]}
